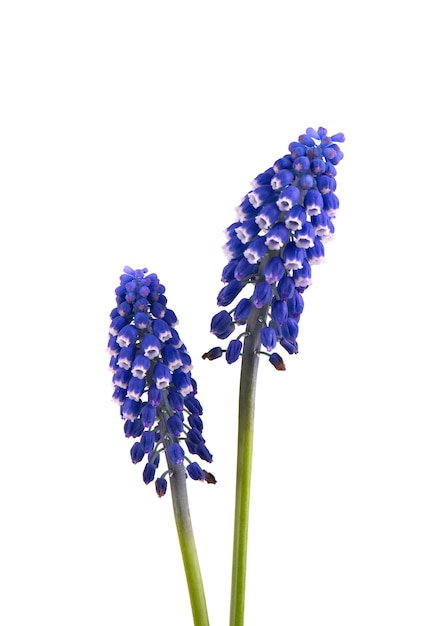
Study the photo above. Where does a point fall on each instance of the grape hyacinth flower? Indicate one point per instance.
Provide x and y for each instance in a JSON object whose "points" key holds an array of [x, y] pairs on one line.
{"points": [[282, 226], [293, 204], [157, 398], [280, 231], [151, 373]]}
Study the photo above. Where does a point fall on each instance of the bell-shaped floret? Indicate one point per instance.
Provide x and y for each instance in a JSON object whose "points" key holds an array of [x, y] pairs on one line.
{"points": [[233, 350], [268, 338], [127, 336], [288, 198], [195, 471], [150, 346], [262, 294], [277, 236], [274, 270], [175, 453], [222, 325]]}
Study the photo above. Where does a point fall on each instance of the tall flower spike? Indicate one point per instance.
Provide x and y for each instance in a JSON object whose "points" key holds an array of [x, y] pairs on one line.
{"points": [[282, 226], [151, 376], [293, 204]]}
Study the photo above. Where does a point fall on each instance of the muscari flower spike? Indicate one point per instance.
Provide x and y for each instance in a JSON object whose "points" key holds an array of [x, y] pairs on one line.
{"points": [[152, 381], [280, 232]]}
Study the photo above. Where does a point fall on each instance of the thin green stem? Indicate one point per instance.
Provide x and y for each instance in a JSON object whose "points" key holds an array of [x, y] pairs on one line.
{"points": [[248, 378], [187, 545]]}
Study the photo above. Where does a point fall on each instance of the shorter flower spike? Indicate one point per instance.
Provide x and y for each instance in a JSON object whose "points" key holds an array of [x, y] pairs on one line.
{"points": [[151, 377], [280, 232]]}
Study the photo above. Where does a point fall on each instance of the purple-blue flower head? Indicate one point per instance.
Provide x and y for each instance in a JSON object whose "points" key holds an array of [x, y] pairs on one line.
{"points": [[281, 228], [151, 375]]}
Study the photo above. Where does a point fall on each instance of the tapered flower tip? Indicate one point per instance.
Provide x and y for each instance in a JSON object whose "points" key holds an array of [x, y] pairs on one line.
{"points": [[133, 273]]}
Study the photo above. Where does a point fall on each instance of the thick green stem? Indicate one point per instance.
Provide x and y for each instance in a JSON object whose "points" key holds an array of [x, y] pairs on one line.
{"points": [[187, 545], [248, 378]]}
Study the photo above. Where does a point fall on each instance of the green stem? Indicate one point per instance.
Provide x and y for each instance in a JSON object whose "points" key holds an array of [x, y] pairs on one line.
{"points": [[248, 378], [187, 545]]}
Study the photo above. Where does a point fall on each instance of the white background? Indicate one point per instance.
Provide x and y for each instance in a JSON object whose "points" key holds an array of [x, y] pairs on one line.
{"points": [[129, 131]]}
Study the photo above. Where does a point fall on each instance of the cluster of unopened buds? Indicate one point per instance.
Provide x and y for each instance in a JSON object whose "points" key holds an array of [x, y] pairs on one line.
{"points": [[152, 381], [281, 228]]}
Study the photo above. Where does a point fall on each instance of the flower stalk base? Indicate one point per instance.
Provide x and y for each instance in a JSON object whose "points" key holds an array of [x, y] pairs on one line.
{"points": [[187, 545], [248, 378]]}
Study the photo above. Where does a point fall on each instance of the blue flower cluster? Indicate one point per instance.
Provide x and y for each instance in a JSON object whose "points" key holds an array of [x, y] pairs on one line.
{"points": [[281, 228], [152, 382]]}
